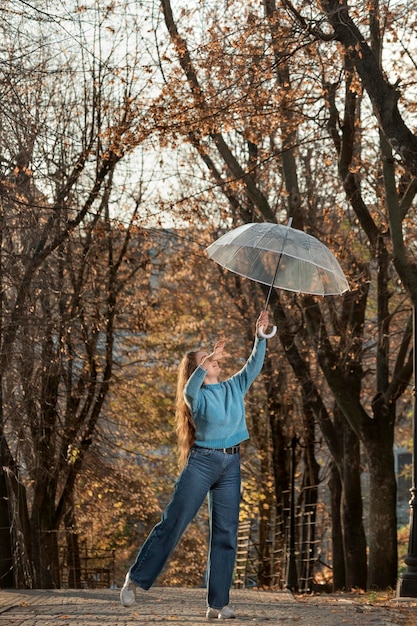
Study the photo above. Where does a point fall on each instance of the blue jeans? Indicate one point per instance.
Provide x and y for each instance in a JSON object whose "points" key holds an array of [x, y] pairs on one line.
{"points": [[209, 472]]}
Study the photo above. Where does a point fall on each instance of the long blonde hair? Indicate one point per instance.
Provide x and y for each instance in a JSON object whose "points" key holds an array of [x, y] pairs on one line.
{"points": [[184, 423]]}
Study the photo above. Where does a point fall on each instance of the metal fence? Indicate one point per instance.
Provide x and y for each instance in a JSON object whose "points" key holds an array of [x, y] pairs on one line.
{"points": [[92, 570], [300, 560]]}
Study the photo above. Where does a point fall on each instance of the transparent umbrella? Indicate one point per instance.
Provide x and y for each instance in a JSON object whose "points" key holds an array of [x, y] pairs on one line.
{"points": [[280, 256]]}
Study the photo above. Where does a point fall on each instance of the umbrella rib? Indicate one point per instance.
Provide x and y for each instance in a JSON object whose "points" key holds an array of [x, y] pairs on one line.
{"points": [[279, 261]]}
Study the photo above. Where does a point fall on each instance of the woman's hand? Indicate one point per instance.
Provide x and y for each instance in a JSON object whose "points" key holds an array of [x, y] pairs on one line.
{"points": [[217, 354], [218, 351], [262, 322]]}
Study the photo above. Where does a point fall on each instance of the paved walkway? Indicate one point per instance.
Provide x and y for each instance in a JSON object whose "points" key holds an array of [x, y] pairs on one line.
{"points": [[186, 606]]}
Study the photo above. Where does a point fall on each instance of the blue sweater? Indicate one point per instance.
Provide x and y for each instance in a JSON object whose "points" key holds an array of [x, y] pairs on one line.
{"points": [[218, 410]]}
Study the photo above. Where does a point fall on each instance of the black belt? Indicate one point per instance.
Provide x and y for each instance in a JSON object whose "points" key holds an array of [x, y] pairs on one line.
{"points": [[231, 450]]}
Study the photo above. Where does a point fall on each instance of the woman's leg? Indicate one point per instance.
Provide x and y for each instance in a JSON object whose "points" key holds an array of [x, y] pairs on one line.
{"points": [[224, 502], [190, 491]]}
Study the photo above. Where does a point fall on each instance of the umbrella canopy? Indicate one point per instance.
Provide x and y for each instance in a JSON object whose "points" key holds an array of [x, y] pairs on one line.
{"points": [[280, 256]]}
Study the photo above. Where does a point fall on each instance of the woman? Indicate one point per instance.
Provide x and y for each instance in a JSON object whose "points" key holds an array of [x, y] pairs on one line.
{"points": [[211, 424]]}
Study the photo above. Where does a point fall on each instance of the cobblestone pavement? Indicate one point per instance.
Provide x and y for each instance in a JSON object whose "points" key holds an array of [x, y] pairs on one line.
{"points": [[187, 606]]}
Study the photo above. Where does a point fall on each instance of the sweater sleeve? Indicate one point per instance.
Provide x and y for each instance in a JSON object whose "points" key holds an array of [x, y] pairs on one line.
{"points": [[192, 388], [245, 377]]}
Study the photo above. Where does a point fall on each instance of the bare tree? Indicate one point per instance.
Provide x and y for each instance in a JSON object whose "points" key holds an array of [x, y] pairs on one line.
{"points": [[63, 261]]}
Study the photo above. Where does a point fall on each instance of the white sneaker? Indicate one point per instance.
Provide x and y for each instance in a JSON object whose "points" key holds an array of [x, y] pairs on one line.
{"points": [[224, 613], [128, 592]]}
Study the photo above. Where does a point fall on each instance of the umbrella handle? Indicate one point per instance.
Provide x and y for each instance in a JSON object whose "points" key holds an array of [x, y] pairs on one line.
{"points": [[269, 335]]}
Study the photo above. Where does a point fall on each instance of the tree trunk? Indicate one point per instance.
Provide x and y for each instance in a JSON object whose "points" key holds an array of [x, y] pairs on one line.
{"points": [[264, 556], [18, 520], [73, 550], [280, 460], [45, 553], [383, 557], [310, 494], [45, 558], [6, 547], [354, 539], [339, 570]]}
